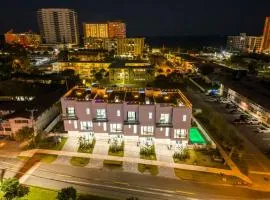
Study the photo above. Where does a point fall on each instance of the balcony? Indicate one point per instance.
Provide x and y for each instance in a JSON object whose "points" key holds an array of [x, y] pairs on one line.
{"points": [[131, 122], [116, 132], [100, 119], [164, 124], [69, 117]]}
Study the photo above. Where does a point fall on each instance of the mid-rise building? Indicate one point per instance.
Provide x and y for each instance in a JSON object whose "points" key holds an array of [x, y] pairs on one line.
{"points": [[266, 36], [244, 43], [58, 26], [116, 29], [27, 39], [130, 72], [159, 116], [108, 44], [95, 30], [130, 46]]}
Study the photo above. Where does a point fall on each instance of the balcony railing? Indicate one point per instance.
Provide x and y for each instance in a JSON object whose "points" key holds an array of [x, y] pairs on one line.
{"points": [[116, 132], [100, 119], [164, 124], [69, 117], [131, 122]]}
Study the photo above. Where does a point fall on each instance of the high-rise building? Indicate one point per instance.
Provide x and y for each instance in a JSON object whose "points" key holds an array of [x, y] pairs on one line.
{"points": [[117, 29], [266, 36], [130, 46], [58, 26], [95, 30], [27, 39], [244, 43]]}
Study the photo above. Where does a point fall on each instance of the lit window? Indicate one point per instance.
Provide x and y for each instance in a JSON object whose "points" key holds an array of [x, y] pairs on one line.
{"points": [[131, 116], [118, 113], [86, 125], [101, 113], [164, 118], [88, 111], [167, 131], [75, 124], [150, 115], [180, 133], [116, 128], [104, 126], [184, 118], [147, 130], [71, 111], [135, 129]]}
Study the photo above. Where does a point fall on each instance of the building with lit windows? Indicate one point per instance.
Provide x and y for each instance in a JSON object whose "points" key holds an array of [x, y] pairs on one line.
{"points": [[244, 43], [27, 39], [130, 46], [58, 26], [144, 115], [130, 72], [85, 69], [266, 36], [95, 30], [116, 29]]}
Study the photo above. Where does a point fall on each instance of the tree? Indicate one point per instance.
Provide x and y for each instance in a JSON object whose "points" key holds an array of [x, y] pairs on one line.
{"points": [[160, 70], [24, 133], [68, 193], [98, 76], [12, 189]]}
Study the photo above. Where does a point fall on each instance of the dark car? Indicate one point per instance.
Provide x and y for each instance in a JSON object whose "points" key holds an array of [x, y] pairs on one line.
{"points": [[238, 121]]}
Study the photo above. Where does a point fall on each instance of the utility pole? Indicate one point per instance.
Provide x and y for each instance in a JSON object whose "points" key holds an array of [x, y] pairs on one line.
{"points": [[33, 123]]}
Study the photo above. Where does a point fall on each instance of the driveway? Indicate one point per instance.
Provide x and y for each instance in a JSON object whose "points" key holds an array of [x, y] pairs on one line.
{"points": [[133, 151], [166, 155], [101, 148]]}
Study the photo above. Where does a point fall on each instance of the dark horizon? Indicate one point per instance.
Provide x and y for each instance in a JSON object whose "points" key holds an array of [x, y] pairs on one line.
{"points": [[149, 18]]}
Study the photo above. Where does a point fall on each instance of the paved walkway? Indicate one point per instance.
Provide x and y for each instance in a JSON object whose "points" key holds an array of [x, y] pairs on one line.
{"points": [[131, 150], [30, 153], [101, 148], [165, 155]]}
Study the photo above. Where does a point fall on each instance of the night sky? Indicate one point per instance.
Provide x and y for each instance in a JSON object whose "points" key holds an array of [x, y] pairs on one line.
{"points": [[149, 17]]}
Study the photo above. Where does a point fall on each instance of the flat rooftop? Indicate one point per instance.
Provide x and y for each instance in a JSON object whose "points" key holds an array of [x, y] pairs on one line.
{"points": [[172, 97]]}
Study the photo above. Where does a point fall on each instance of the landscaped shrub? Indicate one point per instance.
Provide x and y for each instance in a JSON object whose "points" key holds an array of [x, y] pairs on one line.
{"points": [[86, 145], [181, 155], [147, 151], [114, 147]]}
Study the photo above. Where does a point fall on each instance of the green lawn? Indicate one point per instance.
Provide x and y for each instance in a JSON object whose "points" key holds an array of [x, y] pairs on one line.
{"points": [[200, 158], [48, 144], [46, 158], [152, 169], [206, 177], [37, 193], [79, 162]]}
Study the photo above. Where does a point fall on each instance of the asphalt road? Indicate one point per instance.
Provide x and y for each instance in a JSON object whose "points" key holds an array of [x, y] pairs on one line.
{"points": [[122, 185]]}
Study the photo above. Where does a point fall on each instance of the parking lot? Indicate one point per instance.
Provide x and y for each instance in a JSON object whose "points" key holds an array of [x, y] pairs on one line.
{"points": [[250, 127], [255, 143]]}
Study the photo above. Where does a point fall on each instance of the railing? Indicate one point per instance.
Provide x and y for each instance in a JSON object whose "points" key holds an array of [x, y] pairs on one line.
{"points": [[69, 117], [100, 119], [164, 124], [131, 122]]}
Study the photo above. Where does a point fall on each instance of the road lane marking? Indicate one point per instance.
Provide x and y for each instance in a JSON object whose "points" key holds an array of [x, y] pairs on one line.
{"points": [[117, 187], [121, 183], [184, 192]]}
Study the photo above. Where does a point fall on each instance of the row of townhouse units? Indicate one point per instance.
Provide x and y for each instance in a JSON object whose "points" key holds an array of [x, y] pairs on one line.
{"points": [[146, 115]]}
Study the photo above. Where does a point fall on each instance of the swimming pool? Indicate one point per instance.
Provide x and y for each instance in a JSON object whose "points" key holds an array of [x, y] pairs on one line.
{"points": [[196, 137]]}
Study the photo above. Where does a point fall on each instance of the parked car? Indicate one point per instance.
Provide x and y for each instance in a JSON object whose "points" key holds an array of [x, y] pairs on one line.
{"points": [[263, 129], [253, 121], [212, 99], [238, 121]]}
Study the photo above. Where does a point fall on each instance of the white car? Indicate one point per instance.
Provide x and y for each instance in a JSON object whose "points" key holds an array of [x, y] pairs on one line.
{"points": [[212, 100], [224, 101], [263, 129], [253, 121]]}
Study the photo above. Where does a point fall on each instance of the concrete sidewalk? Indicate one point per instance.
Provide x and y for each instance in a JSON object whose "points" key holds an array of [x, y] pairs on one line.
{"points": [[138, 160]]}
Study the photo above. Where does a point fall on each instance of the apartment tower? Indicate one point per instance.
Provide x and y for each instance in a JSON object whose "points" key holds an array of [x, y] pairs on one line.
{"points": [[58, 26]]}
